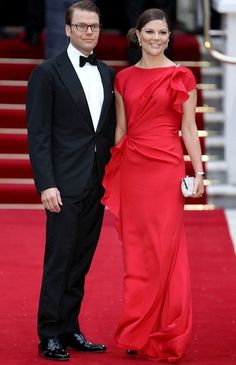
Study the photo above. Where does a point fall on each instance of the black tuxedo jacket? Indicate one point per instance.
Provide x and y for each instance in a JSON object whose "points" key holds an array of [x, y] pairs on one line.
{"points": [[61, 135]]}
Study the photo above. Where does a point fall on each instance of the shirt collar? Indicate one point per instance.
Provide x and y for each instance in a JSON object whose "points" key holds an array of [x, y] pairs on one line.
{"points": [[74, 54]]}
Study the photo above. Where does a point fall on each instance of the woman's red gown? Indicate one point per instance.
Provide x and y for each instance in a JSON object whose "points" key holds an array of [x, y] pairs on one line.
{"points": [[142, 188]]}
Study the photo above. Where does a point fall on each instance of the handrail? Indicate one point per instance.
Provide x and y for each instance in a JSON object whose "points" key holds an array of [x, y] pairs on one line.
{"points": [[207, 38]]}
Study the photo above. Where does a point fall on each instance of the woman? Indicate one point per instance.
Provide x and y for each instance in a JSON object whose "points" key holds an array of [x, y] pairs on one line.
{"points": [[154, 99]]}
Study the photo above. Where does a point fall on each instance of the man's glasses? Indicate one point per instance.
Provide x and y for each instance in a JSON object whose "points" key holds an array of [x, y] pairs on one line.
{"points": [[82, 27]]}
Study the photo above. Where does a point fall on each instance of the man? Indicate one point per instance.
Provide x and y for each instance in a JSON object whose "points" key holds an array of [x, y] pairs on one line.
{"points": [[55, 39], [71, 123], [34, 24]]}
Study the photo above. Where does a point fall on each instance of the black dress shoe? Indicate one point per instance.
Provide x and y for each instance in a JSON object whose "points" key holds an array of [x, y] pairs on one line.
{"points": [[78, 342], [132, 352], [32, 38], [51, 349]]}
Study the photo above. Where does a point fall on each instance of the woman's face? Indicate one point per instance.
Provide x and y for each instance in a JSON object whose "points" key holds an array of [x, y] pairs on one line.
{"points": [[154, 37]]}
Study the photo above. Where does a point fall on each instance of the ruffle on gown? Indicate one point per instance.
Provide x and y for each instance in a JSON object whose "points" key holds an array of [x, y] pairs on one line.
{"points": [[111, 182], [177, 84]]}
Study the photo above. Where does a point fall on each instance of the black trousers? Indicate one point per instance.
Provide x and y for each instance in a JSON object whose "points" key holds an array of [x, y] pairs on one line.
{"points": [[35, 16], [71, 240]]}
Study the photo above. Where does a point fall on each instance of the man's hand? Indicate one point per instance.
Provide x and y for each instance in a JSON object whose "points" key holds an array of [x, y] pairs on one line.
{"points": [[51, 200]]}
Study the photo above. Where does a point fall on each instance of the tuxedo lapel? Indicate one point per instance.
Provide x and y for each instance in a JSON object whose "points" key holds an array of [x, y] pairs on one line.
{"points": [[71, 81], [107, 87]]}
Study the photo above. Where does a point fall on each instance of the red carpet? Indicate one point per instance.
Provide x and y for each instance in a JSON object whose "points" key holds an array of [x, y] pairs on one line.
{"points": [[10, 118], [213, 272]]}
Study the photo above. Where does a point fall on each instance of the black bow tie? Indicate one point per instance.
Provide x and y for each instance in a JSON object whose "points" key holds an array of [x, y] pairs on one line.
{"points": [[90, 59]]}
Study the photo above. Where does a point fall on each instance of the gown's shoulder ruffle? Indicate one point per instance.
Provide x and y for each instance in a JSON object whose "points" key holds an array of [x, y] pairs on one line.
{"points": [[182, 81]]}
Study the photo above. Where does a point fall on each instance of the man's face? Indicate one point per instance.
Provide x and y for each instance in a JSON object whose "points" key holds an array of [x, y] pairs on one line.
{"points": [[81, 36]]}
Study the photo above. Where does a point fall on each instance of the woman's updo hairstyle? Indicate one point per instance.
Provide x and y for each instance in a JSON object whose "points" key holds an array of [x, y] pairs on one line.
{"points": [[147, 16]]}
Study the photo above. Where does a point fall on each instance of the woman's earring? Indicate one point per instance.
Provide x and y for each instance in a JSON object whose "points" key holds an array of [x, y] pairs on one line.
{"points": [[139, 42]]}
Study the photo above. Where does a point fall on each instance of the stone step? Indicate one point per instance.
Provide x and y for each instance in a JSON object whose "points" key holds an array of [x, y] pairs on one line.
{"points": [[222, 195], [214, 122], [215, 141], [224, 189], [216, 171], [216, 165], [212, 74], [215, 146], [214, 94], [212, 70], [213, 98]]}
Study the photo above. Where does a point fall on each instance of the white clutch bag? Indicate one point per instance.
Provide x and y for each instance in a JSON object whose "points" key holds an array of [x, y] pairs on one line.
{"points": [[187, 185]]}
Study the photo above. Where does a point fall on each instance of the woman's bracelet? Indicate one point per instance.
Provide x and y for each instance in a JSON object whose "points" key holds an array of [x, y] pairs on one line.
{"points": [[200, 173]]}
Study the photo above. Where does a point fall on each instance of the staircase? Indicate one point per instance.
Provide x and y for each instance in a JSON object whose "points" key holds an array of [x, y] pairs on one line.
{"points": [[16, 181], [220, 192]]}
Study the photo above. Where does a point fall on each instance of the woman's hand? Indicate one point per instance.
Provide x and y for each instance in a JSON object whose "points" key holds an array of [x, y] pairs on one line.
{"points": [[198, 188]]}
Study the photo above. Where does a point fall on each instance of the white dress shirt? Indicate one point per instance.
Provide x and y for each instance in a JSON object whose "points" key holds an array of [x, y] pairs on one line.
{"points": [[90, 79]]}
